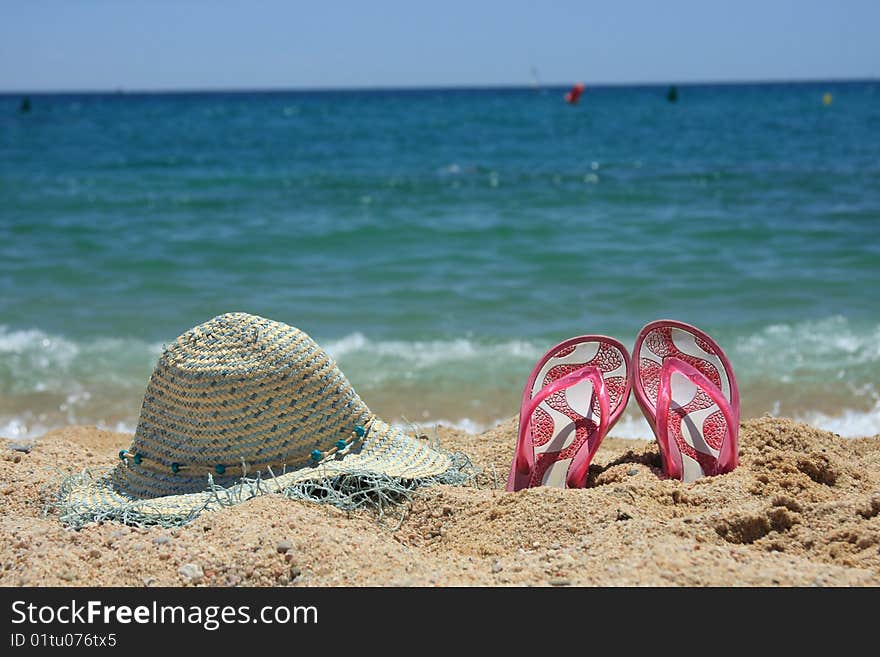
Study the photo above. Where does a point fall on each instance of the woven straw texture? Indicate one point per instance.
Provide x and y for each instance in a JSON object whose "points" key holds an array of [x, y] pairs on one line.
{"points": [[236, 407]]}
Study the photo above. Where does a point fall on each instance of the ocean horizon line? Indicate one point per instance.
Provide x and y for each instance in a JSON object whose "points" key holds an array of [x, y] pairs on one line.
{"points": [[280, 90]]}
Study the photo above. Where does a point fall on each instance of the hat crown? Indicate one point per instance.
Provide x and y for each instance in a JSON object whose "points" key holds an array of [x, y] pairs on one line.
{"points": [[234, 344], [237, 393]]}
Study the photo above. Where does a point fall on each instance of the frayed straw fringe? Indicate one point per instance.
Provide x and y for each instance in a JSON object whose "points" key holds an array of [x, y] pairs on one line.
{"points": [[351, 491]]}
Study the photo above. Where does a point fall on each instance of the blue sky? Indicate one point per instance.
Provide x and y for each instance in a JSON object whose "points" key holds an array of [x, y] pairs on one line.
{"points": [[205, 44]]}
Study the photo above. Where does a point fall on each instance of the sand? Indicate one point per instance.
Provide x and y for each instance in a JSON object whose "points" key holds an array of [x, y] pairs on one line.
{"points": [[802, 509]]}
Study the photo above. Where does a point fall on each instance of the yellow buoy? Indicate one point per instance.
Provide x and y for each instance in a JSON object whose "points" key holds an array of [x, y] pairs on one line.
{"points": [[827, 98]]}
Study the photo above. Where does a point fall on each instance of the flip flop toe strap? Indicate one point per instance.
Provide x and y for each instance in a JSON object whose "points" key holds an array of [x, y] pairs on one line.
{"points": [[728, 453], [525, 457]]}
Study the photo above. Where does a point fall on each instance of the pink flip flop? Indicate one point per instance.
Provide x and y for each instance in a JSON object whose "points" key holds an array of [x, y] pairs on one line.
{"points": [[574, 395], [686, 388]]}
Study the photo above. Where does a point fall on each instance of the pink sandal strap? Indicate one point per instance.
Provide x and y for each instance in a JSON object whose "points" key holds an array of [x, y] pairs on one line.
{"points": [[728, 455], [525, 458]]}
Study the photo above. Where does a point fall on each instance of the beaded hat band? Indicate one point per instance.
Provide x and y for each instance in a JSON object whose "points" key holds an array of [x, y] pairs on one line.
{"points": [[241, 406], [316, 456]]}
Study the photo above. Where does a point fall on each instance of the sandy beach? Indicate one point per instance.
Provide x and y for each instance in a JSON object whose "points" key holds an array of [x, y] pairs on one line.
{"points": [[803, 509]]}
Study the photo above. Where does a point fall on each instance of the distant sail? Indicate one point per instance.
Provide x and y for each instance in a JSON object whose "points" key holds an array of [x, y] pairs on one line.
{"points": [[536, 81], [672, 94]]}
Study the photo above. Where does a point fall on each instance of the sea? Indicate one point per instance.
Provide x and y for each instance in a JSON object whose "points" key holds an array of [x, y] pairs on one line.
{"points": [[437, 241]]}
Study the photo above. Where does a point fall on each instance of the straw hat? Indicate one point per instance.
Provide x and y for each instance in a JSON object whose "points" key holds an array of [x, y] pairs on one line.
{"points": [[241, 406]]}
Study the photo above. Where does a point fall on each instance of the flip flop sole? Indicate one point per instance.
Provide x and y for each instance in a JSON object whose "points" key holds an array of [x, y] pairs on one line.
{"points": [[696, 425], [567, 422]]}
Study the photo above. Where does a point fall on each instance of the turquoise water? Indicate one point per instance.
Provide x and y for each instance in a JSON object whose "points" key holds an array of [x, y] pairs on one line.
{"points": [[437, 242]]}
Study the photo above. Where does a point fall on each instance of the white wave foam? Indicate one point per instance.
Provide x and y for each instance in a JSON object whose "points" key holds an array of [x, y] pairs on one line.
{"points": [[849, 424], [632, 426], [829, 344], [29, 427], [462, 424], [780, 351], [428, 353], [346, 345], [25, 340], [49, 380], [15, 341], [36, 349], [119, 427], [19, 428], [33, 361]]}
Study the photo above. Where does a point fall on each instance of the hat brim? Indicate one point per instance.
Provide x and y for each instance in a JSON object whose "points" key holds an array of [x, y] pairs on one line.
{"points": [[388, 460]]}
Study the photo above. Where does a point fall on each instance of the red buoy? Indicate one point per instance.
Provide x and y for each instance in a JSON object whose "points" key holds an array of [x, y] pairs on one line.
{"points": [[573, 96]]}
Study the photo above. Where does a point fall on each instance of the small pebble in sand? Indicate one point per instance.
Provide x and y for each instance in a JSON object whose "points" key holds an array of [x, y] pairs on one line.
{"points": [[161, 540], [284, 546], [95, 553], [191, 573], [632, 472], [497, 567]]}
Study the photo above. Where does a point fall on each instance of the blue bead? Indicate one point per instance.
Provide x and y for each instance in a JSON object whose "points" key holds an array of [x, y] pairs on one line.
{"points": [[219, 469], [138, 459], [122, 454], [341, 445], [317, 454], [360, 431], [175, 468]]}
